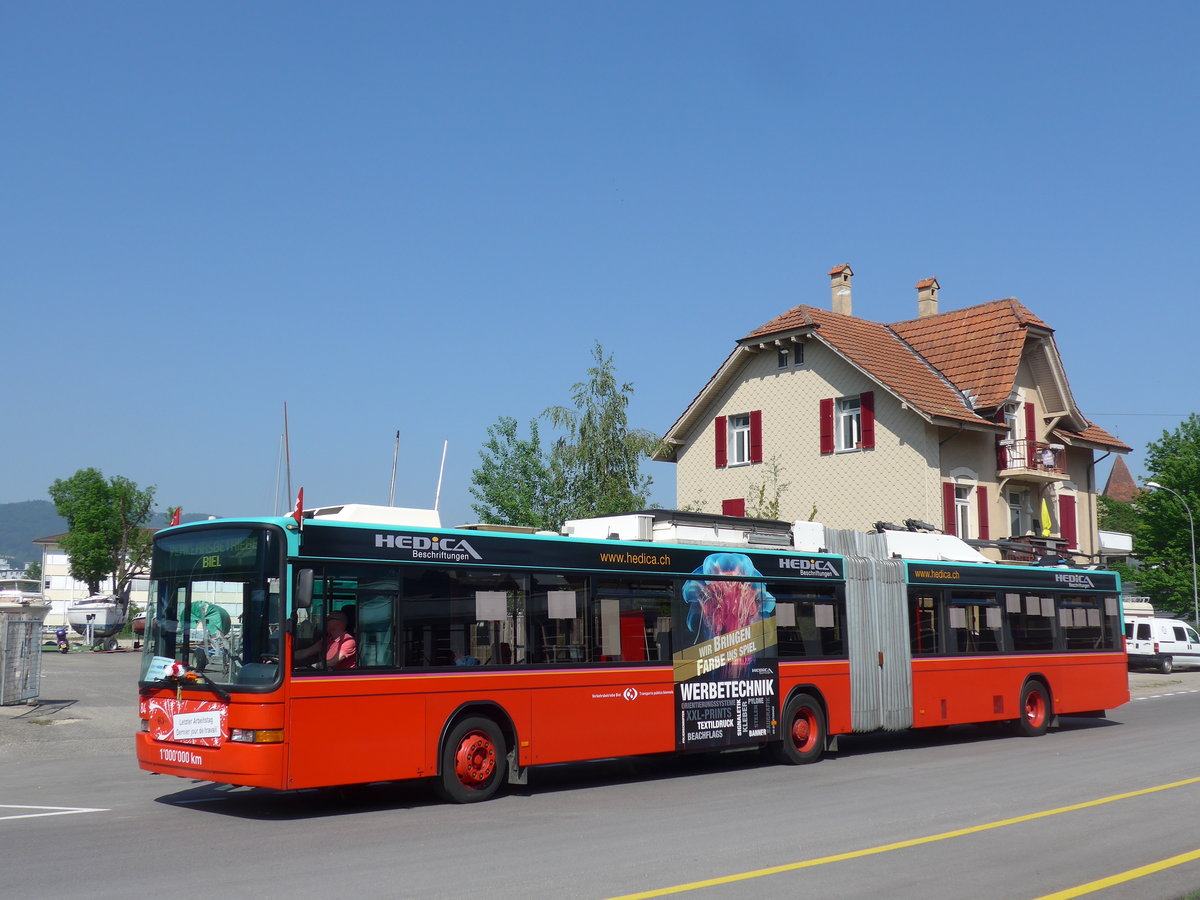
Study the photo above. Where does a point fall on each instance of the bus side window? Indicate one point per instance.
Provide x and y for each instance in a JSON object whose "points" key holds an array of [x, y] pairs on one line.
{"points": [[1030, 622], [976, 623], [631, 620], [376, 632], [808, 625], [557, 619], [456, 618], [923, 621], [1082, 622]]}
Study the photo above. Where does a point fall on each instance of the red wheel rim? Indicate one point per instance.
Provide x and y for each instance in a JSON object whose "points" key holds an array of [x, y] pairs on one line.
{"points": [[475, 759], [804, 730], [1035, 708]]}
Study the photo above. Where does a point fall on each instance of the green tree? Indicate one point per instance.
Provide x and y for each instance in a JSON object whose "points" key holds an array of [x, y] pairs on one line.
{"points": [[1163, 538], [595, 464], [1113, 515], [105, 527], [512, 480], [34, 570]]}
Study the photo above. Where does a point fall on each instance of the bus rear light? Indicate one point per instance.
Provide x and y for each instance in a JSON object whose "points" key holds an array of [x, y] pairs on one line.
{"points": [[259, 736], [143, 724]]}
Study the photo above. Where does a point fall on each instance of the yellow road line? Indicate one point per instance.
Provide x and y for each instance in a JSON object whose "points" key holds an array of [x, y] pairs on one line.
{"points": [[901, 845], [1121, 878]]}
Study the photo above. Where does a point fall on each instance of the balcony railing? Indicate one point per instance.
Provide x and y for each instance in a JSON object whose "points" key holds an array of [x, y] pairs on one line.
{"points": [[1031, 456]]}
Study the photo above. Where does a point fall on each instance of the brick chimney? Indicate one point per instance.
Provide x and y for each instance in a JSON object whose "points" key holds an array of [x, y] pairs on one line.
{"points": [[927, 304], [839, 287]]}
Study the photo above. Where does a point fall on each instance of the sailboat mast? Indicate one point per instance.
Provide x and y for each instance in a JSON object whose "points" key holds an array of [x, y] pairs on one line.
{"points": [[395, 457]]}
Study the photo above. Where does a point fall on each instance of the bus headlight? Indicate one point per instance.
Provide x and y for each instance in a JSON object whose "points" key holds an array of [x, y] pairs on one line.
{"points": [[256, 736]]}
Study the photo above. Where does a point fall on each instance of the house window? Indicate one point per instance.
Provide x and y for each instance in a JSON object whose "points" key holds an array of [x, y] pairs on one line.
{"points": [[790, 356], [739, 440], [1010, 421], [962, 511], [849, 423], [1016, 513]]}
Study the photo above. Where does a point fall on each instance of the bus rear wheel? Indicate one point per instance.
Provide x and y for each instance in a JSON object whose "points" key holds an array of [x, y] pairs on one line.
{"points": [[1034, 707], [802, 728], [474, 761]]}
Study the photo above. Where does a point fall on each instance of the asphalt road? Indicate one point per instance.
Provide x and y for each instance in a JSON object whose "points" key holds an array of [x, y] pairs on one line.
{"points": [[967, 812]]}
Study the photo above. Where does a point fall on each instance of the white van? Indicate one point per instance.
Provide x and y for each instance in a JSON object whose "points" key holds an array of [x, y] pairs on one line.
{"points": [[1161, 644]]}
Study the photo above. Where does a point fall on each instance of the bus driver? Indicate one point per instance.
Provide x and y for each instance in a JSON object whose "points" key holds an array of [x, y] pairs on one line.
{"points": [[341, 651]]}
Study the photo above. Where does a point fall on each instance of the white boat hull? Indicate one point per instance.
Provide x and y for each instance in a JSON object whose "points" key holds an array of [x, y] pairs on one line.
{"points": [[105, 617]]}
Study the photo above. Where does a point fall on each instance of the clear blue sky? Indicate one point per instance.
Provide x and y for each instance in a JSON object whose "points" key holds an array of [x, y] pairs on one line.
{"points": [[421, 216]]}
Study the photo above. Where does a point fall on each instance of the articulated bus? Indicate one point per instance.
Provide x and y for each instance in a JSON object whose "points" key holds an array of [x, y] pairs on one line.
{"points": [[476, 653]]}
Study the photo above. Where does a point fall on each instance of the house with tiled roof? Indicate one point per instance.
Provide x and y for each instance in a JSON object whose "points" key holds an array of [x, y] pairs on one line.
{"points": [[960, 420]]}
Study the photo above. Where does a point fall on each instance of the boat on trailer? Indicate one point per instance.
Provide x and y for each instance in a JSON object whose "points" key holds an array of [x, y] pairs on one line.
{"points": [[99, 617]]}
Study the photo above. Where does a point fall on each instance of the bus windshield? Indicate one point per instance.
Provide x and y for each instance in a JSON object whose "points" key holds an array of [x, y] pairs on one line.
{"points": [[215, 605]]}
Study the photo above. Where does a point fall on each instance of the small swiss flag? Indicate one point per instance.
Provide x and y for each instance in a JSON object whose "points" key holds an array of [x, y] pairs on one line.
{"points": [[175, 516], [298, 512]]}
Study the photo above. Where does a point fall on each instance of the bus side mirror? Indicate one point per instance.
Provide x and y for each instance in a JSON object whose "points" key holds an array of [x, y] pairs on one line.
{"points": [[302, 599]]}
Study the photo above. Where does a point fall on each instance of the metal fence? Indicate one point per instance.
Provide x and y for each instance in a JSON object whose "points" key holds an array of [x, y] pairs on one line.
{"points": [[20, 659]]}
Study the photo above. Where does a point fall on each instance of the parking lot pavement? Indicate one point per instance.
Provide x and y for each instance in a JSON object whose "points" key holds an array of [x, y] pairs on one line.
{"points": [[1142, 684], [87, 706]]}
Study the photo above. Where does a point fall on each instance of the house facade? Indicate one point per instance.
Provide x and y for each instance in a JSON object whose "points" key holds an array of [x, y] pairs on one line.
{"points": [[62, 589], [962, 421]]}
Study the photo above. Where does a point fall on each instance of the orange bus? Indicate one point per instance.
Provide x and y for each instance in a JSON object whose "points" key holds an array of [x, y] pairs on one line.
{"points": [[364, 644]]}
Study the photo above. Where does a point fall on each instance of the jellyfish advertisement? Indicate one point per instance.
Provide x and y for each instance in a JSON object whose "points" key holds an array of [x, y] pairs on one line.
{"points": [[727, 672]]}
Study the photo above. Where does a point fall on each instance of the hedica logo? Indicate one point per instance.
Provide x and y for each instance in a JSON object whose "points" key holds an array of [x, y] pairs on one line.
{"points": [[423, 547], [810, 566], [1074, 579]]}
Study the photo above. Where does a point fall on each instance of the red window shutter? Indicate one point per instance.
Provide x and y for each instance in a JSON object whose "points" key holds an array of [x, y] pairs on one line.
{"points": [[1030, 430], [951, 526], [733, 507], [866, 402], [984, 532], [756, 436], [1067, 527], [1001, 450], [827, 425], [722, 430]]}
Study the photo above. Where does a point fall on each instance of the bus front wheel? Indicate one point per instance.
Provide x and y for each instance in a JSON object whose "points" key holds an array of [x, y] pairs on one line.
{"points": [[802, 732], [474, 760], [1034, 707]]}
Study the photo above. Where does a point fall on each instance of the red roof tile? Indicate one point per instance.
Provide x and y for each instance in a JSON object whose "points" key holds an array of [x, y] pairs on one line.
{"points": [[977, 348], [1094, 434], [873, 347]]}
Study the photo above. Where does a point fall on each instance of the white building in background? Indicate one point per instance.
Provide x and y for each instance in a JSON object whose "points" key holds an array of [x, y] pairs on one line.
{"points": [[61, 589]]}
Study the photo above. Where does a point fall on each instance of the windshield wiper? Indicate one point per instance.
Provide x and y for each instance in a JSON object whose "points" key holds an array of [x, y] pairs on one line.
{"points": [[216, 688], [190, 677]]}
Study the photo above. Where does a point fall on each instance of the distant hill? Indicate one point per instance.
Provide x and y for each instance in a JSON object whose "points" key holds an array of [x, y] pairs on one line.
{"points": [[23, 523]]}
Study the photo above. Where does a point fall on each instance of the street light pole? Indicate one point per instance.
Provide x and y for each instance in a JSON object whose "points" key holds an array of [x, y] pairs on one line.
{"points": [[1192, 531]]}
